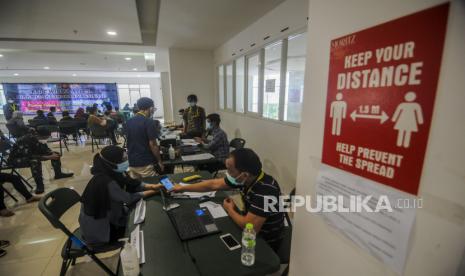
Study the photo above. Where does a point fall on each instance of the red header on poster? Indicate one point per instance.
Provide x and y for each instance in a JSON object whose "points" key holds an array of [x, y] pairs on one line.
{"points": [[381, 90]]}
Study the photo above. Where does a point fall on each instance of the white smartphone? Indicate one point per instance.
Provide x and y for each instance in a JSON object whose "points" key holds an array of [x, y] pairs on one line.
{"points": [[230, 242]]}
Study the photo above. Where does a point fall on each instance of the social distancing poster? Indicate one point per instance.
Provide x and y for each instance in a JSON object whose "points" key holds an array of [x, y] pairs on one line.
{"points": [[381, 91]]}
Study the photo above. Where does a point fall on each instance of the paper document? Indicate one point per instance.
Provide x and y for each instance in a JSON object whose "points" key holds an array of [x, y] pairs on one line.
{"points": [[215, 209], [170, 136], [194, 157], [137, 240], [139, 214]]}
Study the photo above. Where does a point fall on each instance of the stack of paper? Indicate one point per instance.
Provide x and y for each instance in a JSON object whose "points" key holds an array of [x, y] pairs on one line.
{"points": [[215, 209], [189, 142], [137, 240], [139, 214], [194, 157]]}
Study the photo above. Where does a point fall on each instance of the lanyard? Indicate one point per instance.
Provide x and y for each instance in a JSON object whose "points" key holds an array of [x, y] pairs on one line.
{"points": [[196, 111], [247, 190], [140, 113]]}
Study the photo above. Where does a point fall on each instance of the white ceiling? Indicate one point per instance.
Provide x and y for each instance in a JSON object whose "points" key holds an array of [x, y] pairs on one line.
{"points": [[83, 20], [206, 24], [69, 36]]}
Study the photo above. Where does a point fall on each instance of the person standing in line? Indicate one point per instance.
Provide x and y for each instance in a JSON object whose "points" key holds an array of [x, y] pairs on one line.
{"points": [[194, 118], [143, 150]]}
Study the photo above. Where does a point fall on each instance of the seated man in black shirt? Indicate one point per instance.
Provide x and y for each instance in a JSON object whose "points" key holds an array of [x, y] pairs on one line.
{"points": [[51, 116], [245, 173], [28, 151]]}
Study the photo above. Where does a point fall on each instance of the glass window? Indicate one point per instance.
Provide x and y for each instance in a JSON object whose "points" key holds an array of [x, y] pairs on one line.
{"points": [[134, 86], [295, 75], [240, 84], [253, 70], [2, 98], [221, 86], [130, 93], [272, 75], [124, 98], [229, 86]]}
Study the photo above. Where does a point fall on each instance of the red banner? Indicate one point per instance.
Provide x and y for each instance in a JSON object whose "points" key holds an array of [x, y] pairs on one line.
{"points": [[381, 90]]}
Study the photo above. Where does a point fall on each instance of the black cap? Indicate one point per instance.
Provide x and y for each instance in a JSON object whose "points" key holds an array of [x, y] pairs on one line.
{"points": [[145, 103], [112, 154]]}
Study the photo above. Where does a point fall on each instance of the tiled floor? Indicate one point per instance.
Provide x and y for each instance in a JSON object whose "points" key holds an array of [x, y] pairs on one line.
{"points": [[35, 245]]}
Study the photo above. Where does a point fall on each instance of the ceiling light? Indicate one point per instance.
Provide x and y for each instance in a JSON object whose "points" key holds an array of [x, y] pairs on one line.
{"points": [[127, 58], [46, 67], [112, 33], [1, 55], [16, 74], [74, 75], [134, 69]]}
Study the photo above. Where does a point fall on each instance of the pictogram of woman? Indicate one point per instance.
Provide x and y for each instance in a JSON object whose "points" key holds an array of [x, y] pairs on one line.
{"points": [[408, 116]]}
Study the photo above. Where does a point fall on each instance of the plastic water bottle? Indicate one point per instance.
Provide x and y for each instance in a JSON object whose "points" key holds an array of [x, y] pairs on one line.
{"points": [[171, 152], [129, 259], [248, 245]]}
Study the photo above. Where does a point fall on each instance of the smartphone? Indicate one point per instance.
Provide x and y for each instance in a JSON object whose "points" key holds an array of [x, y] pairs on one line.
{"points": [[230, 242], [166, 182]]}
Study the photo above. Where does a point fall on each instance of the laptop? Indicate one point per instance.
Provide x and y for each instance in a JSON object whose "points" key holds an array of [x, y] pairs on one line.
{"points": [[190, 222]]}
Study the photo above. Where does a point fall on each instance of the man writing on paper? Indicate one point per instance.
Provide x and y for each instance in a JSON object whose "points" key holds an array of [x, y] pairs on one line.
{"points": [[245, 173]]}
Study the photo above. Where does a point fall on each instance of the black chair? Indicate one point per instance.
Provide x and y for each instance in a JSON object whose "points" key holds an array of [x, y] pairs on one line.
{"points": [[5, 147], [34, 123], [53, 129], [237, 143], [53, 205], [15, 130], [68, 128], [98, 133], [284, 248]]}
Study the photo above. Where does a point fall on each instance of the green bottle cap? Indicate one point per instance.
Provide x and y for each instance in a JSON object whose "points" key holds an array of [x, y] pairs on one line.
{"points": [[249, 226]]}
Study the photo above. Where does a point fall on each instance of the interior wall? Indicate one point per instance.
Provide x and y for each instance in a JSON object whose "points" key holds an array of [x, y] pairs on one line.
{"points": [[167, 96], [275, 142], [191, 72], [437, 240], [155, 85]]}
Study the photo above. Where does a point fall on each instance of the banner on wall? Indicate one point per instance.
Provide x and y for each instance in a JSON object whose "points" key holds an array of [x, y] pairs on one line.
{"points": [[31, 97], [381, 90]]}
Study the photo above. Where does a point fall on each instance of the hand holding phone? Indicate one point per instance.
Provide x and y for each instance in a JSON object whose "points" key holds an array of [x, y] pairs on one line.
{"points": [[166, 182]]}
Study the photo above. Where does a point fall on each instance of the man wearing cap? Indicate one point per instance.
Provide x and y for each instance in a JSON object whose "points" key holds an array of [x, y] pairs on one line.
{"points": [[29, 151], [244, 172], [143, 151]]}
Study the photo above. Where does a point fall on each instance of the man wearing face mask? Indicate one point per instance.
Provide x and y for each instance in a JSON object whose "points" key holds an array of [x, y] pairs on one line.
{"points": [[194, 118], [245, 173], [216, 142], [142, 133], [9, 108], [108, 196]]}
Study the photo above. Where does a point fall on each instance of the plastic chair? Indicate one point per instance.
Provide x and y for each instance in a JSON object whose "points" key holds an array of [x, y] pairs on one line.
{"points": [[53, 205], [15, 131], [237, 143], [68, 128], [97, 132], [5, 147], [51, 129], [284, 249], [34, 123]]}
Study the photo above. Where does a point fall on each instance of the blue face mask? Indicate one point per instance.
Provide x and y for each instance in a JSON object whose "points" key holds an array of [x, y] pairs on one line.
{"points": [[122, 167], [192, 104], [233, 180], [208, 125]]}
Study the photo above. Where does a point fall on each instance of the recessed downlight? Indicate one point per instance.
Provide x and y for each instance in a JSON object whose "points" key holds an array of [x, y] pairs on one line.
{"points": [[112, 33], [134, 69], [46, 67], [128, 58], [15, 74], [74, 75]]}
